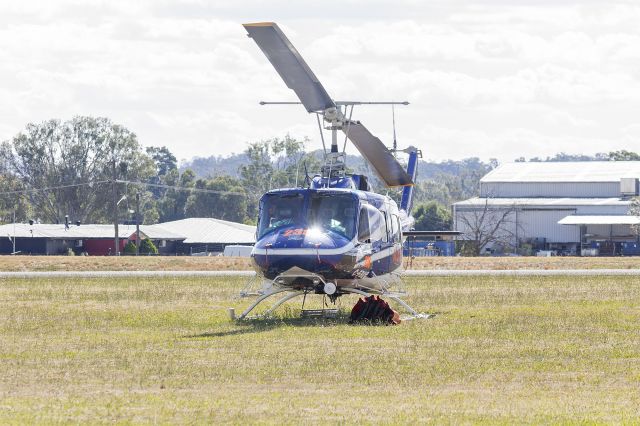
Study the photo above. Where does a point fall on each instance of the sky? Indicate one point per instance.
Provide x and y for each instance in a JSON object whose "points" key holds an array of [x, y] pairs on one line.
{"points": [[490, 79]]}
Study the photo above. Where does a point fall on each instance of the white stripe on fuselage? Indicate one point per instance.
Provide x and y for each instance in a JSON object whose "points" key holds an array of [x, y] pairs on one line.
{"points": [[326, 252], [304, 251]]}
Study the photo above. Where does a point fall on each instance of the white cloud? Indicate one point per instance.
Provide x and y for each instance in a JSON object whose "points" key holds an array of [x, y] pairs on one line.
{"points": [[491, 80]]}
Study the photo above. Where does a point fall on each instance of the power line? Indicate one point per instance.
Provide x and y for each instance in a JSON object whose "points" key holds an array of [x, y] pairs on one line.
{"points": [[50, 188], [155, 185], [182, 188]]}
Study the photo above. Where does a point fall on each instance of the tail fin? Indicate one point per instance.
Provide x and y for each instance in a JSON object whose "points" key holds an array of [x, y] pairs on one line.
{"points": [[406, 203]]}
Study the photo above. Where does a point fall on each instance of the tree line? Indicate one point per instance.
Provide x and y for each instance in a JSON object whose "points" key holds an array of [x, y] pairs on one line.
{"points": [[70, 168]]}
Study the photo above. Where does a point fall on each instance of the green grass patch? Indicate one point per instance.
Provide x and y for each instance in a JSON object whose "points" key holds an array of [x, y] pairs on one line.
{"points": [[499, 350]]}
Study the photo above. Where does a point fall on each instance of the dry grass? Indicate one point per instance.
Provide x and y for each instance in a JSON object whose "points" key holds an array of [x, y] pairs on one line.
{"points": [[499, 350], [123, 263], [219, 263], [559, 262]]}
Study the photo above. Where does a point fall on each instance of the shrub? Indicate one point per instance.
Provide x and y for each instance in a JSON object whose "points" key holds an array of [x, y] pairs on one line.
{"points": [[147, 247], [130, 248]]}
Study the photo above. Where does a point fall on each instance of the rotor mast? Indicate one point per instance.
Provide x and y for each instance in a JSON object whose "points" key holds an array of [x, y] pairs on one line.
{"points": [[335, 120]]}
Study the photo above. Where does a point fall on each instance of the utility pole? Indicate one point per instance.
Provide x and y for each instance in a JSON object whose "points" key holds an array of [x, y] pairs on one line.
{"points": [[14, 232], [115, 209], [137, 223]]}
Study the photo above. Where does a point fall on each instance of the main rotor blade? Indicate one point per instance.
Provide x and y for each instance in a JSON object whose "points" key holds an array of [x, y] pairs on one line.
{"points": [[292, 68], [380, 158]]}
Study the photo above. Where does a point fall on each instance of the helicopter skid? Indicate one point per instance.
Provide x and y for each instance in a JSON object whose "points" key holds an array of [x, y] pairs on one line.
{"points": [[285, 286]]}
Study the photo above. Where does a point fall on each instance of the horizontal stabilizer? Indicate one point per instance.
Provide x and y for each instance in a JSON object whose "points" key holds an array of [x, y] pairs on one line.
{"points": [[380, 158], [292, 68]]}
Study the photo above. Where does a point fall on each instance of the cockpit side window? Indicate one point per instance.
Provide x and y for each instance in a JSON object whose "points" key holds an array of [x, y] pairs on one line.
{"points": [[376, 224], [386, 235], [371, 224], [395, 228]]}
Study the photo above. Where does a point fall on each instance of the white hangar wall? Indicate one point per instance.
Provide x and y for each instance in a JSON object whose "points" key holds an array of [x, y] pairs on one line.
{"points": [[538, 218], [541, 194], [538, 223]]}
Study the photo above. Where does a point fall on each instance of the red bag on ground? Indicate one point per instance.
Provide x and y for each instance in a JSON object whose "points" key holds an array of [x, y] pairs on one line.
{"points": [[373, 309]]}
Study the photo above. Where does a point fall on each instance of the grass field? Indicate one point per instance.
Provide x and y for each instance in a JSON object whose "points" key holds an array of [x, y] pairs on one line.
{"points": [[217, 263], [499, 350]]}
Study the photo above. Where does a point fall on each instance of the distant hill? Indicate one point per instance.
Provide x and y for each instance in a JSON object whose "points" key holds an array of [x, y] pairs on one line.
{"points": [[570, 157], [207, 167], [445, 181]]}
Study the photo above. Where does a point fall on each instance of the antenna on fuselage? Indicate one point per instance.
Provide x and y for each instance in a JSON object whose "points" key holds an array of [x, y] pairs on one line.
{"points": [[393, 117]]}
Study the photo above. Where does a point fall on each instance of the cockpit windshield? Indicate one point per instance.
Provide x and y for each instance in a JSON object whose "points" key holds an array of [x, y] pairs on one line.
{"points": [[325, 211], [333, 212], [280, 210]]}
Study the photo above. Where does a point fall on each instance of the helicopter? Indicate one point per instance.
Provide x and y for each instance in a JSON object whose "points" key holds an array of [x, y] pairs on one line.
{"points": [[332, 236]]}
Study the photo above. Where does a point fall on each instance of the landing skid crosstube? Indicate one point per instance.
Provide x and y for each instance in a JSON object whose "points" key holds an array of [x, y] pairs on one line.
{"points": [[274, 289]]}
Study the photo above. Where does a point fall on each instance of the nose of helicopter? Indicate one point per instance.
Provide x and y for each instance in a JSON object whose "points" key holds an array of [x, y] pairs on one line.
{"points": [[314, 250]]}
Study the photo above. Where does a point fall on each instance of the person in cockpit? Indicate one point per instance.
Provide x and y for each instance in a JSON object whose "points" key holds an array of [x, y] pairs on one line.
{"points": [[281, 218]]}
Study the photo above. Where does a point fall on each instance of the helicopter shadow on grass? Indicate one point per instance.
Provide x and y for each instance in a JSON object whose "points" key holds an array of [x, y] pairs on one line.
{"points": [[260, 325]]}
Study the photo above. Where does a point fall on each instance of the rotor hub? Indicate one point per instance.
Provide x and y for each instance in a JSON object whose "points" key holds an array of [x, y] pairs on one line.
{"points": [[332, 114]]}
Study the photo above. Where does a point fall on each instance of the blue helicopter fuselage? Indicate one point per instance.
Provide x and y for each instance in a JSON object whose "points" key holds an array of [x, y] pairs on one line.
{"points": [[343, 235]]}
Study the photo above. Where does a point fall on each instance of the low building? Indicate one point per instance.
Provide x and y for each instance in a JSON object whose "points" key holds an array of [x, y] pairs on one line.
{"points": [[564, 207], [193, 236], [203, 236], [56, 239]]}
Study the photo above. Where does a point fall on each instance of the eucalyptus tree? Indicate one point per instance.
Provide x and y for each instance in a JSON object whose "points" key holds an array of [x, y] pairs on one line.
{"points": [[275, 163], [432, 216], [77, 159], [13, 206], [225, 199]]}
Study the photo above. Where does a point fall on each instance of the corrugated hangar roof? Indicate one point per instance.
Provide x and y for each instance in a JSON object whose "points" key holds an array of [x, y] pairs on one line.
{"points": [[193, 231], [207, 230], [578, 171], [82, 232], [58, 231], [544, 202], [599, 220]]}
